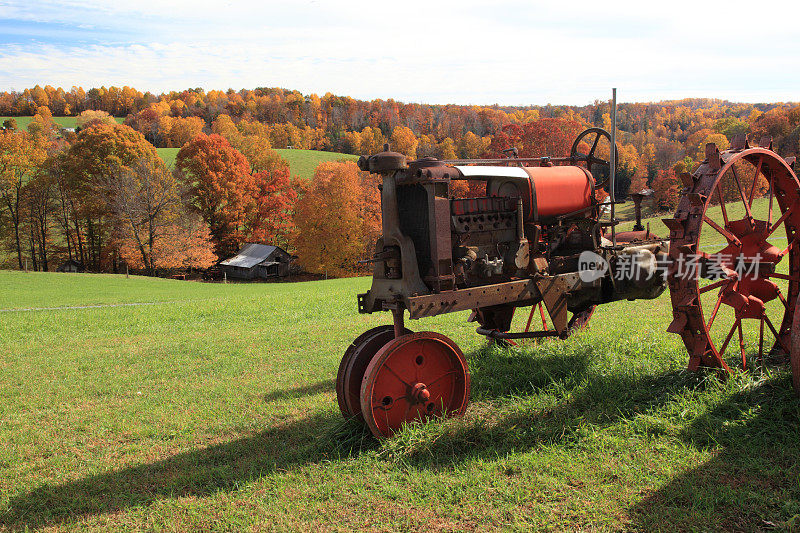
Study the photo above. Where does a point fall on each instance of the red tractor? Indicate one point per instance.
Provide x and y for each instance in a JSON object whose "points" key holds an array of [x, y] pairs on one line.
{"points": [[537, 237]]}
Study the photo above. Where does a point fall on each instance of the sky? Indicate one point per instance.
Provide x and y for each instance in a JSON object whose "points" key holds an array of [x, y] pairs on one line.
{"points": [[436, 52]]}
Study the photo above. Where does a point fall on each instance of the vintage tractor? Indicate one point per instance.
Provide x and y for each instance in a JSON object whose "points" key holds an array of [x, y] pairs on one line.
{"points": [[537, 237]]}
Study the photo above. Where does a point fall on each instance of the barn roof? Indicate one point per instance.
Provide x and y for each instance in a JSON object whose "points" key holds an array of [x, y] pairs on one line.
{"points": [[250, 255]]}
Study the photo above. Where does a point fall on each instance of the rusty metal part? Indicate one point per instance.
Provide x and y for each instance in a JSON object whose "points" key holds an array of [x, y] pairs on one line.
{"points": [[637, 198], [795, 347], [625, 237], [504, 335], [383, 162], [464, 299], [353, 365], [413, 378], [746, 239], [579, 320], [555, 291]]}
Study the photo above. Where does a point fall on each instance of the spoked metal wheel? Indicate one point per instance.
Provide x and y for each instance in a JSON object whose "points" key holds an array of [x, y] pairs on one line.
{"points": [[735, 272], [354, 363], [413, 378]]}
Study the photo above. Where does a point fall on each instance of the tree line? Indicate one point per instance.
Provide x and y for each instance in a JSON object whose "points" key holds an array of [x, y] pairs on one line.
{"points": [[67, 190], [653, 137], [102, 197]]}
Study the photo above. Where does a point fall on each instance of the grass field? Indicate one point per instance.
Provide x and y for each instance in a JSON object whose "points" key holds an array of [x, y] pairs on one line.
{"points": [[213, 408], [67, 122], [168, 155], [303, 162]]}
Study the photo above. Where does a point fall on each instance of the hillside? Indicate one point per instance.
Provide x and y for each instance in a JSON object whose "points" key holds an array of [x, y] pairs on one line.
{"points": [[66, 122], [212, 406], [303, 162]]}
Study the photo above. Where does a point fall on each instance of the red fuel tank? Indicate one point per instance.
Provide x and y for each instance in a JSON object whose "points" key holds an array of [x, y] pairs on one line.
{"points": [[548, 191]]}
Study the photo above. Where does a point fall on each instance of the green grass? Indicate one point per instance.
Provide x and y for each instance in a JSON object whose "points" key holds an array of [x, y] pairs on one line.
{"points": [[214, 409], [168, 155], [303, 162], [66, 122]]}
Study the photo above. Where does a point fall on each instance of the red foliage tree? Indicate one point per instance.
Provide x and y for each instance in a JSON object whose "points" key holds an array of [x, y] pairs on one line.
{"points": [[219, 183], [236, 204]]}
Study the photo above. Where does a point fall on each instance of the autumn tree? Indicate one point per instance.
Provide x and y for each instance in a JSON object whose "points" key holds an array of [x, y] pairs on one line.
{"points": [[20, 157], [372, 141], [217, 177], [666, 191], [39, 202], [183, 130], [89, 117], [98, 155], [338, 218], [144, 199], [42, 125], [471, 146], [404, 141]]}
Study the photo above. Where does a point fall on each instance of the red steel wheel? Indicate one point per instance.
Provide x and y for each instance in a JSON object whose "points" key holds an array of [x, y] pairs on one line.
{"points": [[354, 363], [580, 319], [726, 300], [414, 377]]}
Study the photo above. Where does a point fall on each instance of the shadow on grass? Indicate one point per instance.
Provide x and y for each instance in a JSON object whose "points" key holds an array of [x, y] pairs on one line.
{"points": [[194, 473], [299, 392], [752, 483], [576, 393], [513, 417]]}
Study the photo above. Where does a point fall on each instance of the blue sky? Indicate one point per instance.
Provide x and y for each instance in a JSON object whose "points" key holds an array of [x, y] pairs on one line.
{"points": [[465, 52]]}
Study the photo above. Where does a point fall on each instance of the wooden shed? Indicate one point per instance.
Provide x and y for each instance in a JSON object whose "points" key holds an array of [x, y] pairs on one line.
{"points": [[70, 265], [257, 261]]}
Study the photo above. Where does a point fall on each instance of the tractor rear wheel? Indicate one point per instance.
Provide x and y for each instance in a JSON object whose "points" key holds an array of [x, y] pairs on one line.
{"points": [[734, 275]]}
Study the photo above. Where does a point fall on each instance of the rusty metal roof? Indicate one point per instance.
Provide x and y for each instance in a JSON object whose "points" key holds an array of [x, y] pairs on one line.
{"points": [[250, 255]]}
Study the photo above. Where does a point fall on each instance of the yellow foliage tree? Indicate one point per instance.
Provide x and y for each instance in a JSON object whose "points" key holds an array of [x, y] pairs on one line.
{"points": [[337, 219], [404, 141]]}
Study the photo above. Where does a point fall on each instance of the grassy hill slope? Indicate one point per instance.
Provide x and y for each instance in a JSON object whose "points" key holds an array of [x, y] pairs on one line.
{"points": [[213, 407], [303, 162], [67, 122]]}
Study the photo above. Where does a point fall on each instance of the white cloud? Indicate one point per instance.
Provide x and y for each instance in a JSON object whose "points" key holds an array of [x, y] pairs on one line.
{"points": [[435, 52]]}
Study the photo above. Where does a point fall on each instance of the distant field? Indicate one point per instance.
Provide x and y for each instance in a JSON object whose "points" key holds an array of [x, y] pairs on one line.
{"points": [[67, 122], [168, 155], [303, 162], [213, 408]]}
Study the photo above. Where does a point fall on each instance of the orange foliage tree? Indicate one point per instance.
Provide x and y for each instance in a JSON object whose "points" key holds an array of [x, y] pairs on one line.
{"points": [[20, 156], [184, 243], [666, 190], [338, 218], [544, 137]]}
